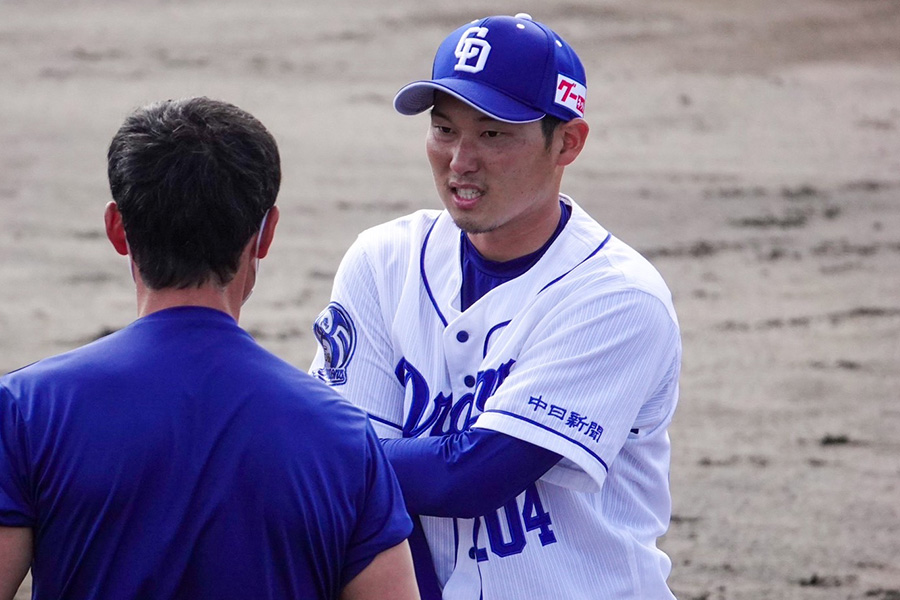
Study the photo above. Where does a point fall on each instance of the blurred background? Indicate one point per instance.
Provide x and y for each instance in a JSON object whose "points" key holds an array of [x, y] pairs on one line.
{"points": [[750, 149]]}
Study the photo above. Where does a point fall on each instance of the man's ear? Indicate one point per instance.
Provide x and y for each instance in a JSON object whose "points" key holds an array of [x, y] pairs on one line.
{"points": [[115, 231], [268, 232], [574, 134]]}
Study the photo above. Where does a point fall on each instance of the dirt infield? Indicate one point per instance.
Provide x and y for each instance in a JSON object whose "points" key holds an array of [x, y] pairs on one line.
{"points": [[750, 149]]}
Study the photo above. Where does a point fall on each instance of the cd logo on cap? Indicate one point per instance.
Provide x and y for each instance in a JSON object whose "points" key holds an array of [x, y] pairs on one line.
{"points": [[469, 48]]}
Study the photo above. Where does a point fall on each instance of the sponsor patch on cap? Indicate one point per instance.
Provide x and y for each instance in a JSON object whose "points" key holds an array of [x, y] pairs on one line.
{"points": [[570, 93]]}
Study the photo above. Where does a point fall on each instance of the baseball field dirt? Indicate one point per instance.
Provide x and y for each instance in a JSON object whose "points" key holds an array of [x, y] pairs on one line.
{"points": [[751, 150]]}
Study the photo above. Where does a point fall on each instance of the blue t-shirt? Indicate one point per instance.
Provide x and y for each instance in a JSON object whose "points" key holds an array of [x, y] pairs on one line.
{"points": [[177, 458]]}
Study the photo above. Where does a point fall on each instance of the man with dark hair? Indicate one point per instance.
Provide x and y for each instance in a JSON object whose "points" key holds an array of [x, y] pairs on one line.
{"points": [[176, 458], [217, 171]]}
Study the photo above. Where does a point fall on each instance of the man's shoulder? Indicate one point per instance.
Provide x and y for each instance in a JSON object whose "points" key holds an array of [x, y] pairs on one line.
{"points": [[293, 388], [58, 368], [408, 228], [611, 264], [389, 249]]}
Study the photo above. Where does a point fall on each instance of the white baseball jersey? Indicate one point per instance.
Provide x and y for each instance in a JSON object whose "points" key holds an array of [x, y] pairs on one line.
{"points": [[581, 355]]}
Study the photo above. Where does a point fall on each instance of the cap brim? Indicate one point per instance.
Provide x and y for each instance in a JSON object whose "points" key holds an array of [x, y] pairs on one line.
{"points": [[418, 97]]}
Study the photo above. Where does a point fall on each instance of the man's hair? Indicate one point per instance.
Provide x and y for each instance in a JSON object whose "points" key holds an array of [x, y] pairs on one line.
{"points": [[549, 123], [192, 179]]}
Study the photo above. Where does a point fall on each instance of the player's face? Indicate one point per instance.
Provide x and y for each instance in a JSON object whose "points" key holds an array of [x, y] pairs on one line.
{"points": [[498, 181]]}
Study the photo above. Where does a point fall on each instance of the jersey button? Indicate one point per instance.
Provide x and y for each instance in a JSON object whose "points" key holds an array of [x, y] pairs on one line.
{"points": [[469, 381], [462, 336]]}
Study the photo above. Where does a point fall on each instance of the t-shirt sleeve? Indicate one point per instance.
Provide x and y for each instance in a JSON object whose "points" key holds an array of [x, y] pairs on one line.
{"points": [[588, 377], [354, 354], [382, 518], [15, 508]]}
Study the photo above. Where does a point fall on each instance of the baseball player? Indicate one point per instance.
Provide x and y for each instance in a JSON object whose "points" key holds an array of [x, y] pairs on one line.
{"points": [[519, 361]]}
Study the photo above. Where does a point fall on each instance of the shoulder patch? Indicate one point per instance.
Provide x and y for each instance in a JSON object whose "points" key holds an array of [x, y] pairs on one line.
{"points": [[336, 333]]}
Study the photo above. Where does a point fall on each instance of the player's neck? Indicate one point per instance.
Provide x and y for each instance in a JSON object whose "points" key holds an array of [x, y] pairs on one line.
{"points": [[208, 296], [228, 298], [516, 239]]}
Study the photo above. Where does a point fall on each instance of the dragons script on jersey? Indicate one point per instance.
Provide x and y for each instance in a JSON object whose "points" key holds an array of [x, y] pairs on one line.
{"points": [[581, 355]]}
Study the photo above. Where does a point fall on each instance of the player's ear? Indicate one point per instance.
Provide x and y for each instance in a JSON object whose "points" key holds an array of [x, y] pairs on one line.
{"points": [[574, 134], [115, 231], [268, 232]]}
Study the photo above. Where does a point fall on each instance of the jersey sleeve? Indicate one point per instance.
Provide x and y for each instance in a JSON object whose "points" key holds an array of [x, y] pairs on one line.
{"points": [[382, 521], [465, 474], [15, 508], [591, 374], [354, 353]]}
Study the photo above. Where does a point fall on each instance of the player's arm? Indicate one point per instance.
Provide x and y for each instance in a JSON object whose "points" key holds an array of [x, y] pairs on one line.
{"points": [[466, 474], [378, 562], [627, 342], [16, 533], [618, 382], [389, 576], [15, 559]]}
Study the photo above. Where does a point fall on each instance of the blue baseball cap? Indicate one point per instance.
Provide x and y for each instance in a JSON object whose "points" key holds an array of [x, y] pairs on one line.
{"points": [[512, 69]]}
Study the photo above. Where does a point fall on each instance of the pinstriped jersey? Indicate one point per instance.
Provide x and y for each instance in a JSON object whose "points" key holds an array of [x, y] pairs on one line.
{"points": [[581, 355]]}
